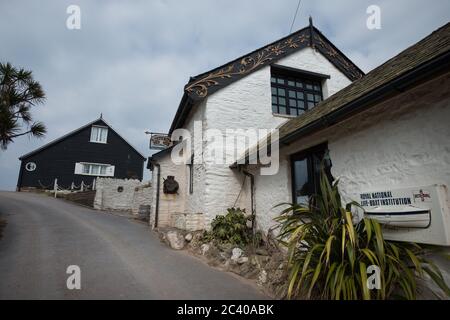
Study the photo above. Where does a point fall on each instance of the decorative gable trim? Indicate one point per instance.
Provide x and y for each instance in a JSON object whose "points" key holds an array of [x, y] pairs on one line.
{"points": [[335, 56], [217, 79], [201, 86], [205, 84]]}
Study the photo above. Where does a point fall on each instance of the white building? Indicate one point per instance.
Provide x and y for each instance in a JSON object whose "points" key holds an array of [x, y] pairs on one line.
{"points": [[238, 95], [385, 135], [386, 138]]}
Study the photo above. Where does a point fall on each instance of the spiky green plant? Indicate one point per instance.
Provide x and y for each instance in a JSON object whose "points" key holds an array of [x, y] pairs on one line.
{"points": [[329, 253]]}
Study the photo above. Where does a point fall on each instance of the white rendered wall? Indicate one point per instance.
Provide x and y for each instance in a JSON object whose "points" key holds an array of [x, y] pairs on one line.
{"points": [[404, 142], [194, 201], [243, 104], [183, 201], [134, 193], [247, 104]]}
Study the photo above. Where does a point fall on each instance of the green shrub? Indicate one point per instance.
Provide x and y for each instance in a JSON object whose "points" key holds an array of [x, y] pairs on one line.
{"points": [[329, 254], [231, 228]]}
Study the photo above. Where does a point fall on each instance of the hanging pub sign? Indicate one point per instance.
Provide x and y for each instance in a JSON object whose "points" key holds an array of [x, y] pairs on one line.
{"points": [[159, 141]]}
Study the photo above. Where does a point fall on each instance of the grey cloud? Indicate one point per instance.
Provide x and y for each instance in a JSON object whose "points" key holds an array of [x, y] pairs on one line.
{"points": [[131, 59]]}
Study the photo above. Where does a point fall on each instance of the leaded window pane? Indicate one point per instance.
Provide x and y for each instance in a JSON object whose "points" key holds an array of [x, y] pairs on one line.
{"points": [[289, 94]]}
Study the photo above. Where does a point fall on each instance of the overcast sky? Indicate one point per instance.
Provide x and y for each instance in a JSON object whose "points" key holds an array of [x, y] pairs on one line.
{"points": [[131, 59]]}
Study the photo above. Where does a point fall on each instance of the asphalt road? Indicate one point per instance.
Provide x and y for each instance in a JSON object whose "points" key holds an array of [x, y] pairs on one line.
{"points": [[119, 258]]}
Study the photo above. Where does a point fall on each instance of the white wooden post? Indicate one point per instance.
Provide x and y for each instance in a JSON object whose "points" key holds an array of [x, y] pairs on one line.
{"points": [[94, 184], [72, 186], [82, 186], [55, 186]]}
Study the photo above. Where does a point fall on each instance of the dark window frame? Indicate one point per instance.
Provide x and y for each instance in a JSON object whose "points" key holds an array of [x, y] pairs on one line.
{"points": [[308, 154], [296, 90]]}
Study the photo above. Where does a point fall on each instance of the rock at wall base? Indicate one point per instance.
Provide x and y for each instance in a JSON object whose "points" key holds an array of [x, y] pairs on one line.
{"points": [[175, 240], [236, 253], [262, 278]]}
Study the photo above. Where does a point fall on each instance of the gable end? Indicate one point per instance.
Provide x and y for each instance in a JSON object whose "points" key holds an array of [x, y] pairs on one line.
{"points": [[97, 122], [205, 84]]}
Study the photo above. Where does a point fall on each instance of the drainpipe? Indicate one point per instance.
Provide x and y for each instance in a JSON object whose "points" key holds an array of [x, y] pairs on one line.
{"points": [[252, 197], [158, 178]]}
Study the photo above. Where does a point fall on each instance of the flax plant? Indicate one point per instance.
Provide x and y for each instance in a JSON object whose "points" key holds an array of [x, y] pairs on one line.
{"points": [[329, 253]]}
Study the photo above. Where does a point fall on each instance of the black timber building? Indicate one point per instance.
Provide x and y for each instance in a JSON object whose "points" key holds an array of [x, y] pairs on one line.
{"points": [[91, 151]]}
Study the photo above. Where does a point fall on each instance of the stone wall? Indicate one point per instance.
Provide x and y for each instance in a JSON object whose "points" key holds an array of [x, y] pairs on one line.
{"points": [[122, 194], [187, 221], [142, 202]]}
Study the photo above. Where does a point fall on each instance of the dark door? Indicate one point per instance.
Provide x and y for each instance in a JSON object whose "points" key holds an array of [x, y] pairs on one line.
{"points": [[306, 167]]}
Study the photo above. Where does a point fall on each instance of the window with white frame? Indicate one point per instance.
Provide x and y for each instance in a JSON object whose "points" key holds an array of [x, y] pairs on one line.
{"points": [[30, 166], [94, 169], [99, 134]]}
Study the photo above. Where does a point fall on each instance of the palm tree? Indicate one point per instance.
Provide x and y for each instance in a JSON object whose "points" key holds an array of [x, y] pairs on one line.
{"points": [[18, 93]]}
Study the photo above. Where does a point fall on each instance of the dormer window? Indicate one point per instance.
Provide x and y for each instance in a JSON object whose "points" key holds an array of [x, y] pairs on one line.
{"points": [[293, 94], [99, 134]]}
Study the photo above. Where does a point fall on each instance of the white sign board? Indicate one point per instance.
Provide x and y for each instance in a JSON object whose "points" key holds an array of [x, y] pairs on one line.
{"points": [[418, 214]]}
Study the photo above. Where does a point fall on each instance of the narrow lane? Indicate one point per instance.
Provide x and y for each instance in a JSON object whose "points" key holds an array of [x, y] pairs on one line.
{"points": [[118, 258]]}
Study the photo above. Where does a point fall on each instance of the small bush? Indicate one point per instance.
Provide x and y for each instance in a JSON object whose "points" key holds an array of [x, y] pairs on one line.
{"points": [[231, 228]]}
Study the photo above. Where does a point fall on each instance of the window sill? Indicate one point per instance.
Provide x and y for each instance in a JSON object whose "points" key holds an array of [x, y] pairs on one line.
{"points": [[287, 116], [93, 175]]}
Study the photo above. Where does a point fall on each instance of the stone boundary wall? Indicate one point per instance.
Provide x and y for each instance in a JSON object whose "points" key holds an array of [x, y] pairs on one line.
{"points": [[122, 194], [142, 201], [187, 221]]}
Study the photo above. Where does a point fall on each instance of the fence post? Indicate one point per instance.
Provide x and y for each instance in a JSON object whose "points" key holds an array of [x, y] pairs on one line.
{"points": [[94, 184], [82, 186], [55, 186], [72, 186]]}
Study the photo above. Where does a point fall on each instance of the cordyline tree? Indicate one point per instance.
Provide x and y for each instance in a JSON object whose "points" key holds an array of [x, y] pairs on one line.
{"points": [[19, 92]]}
